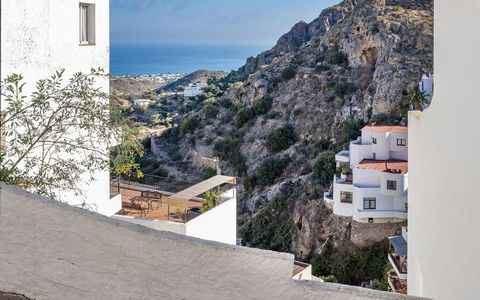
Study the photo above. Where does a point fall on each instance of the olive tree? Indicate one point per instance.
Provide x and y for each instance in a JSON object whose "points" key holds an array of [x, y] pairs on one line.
{"points": [[61, 132]]}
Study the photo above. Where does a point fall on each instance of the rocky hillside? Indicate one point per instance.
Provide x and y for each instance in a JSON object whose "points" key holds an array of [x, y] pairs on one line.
{"points": [[288, 110], [134, 87], [200, 76]]}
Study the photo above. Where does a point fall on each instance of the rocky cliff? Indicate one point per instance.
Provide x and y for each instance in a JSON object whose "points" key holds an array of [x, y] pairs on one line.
{"points": [[299, 102]]}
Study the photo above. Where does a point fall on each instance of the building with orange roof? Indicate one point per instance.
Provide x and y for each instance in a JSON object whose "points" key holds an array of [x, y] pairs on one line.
{"points": [[372, 185]]}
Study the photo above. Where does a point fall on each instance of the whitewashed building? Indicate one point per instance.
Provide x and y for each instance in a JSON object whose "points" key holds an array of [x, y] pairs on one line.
{"points": [[426, 86], [373, 182], [194, 89], [43, 36], [443, 222]]}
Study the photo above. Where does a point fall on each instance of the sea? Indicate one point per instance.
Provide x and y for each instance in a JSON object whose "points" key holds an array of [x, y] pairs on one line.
{"points": [[160, 59]]}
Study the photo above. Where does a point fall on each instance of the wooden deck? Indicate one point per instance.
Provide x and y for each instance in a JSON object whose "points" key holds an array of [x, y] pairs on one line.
{"points": [[163, 212]]}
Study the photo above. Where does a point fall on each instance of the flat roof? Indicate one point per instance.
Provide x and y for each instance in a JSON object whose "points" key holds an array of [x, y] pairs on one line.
{"points": [[200, 188], [387, 128], [394, 166]]}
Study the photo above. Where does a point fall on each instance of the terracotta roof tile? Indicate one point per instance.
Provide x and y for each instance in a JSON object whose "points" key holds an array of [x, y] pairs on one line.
{"points": [[390, 166], [387, 128]]}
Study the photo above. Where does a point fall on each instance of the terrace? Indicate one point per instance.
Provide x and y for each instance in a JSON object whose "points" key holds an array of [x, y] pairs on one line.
{"points": [[167, 199]]}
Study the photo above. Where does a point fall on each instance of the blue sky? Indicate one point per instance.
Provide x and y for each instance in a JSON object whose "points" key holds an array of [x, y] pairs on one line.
{"points": [[246, 22]]}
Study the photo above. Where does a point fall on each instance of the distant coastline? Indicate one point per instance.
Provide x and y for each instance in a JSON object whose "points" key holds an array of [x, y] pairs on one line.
{"points": [[135, 60]]}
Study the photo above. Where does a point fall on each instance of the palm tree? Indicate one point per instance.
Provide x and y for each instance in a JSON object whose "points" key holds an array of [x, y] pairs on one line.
{"points": [[415, 100]]}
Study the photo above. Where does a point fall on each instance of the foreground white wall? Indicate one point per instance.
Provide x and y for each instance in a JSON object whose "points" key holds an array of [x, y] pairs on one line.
{"points": [[218, 224], [50, 250], [42, 36], [444, 227]]}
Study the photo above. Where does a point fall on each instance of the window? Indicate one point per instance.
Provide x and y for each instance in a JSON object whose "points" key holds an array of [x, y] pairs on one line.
{"points": [[87, 24], [346, 197], [374, 155], [391, 185], [401, 142], [369, 203], [374, 140]]}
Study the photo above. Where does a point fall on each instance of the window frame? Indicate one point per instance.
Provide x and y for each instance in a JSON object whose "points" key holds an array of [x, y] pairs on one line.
{"points": [[342, 193], [370, 200], [89, 23], [402, 142], [394, 185], [374, 140]]}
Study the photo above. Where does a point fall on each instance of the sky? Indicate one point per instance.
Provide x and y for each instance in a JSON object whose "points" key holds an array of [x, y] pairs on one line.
{"points": [[204, 22]]}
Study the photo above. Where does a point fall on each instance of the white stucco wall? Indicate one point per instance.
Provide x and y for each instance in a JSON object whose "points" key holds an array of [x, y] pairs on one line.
{"points": [[443, 225], [52, 251], [42, 36], [218, 224]]}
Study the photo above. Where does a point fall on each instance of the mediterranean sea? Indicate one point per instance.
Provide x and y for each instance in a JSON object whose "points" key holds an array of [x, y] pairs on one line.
{"points": [[156, 59]]}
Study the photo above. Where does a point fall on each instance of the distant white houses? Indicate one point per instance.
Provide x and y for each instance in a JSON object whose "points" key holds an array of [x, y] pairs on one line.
{"points": [[142, 102], [373, 181], [193, 90], [426, 86]]}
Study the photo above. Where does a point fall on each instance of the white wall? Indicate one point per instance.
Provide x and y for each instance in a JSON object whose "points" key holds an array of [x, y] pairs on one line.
{"points": [[444, 227], [42, 36], [218, 224]]}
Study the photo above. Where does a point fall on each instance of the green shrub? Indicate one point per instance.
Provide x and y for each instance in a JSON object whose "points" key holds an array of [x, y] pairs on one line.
{"points": [[343, 88], [330, 278], [324, 169], [270, 169], [243, 115], [289, 72], [281, 139], [229, 149], [350, 264], [189, 124], [210, 111], [338, 58], [211, 198], [263, 106], [208, 173], [271, 228], [321, 68]]}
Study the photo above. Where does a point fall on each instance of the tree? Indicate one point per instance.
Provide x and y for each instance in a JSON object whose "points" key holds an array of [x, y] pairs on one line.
{"points": [[211, 199], [324, 169], [60, 132], [415, 100]]}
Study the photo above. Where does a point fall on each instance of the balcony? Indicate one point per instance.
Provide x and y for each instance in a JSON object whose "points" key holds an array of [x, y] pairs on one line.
{"points": [[398, 256], [375, 213], [396, 284], [343, 156]]}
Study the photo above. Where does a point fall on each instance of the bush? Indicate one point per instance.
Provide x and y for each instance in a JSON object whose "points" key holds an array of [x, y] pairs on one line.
{"points": [[263, 105], [343, 87], [321, 68], [229, 149], [243, 115], [210, 111], [271, 228], [338, 58], [208, 173], [289, 72], [281, 139], [324, 169], [270, 169], [189, 124], [350, 264], [211, 198]]}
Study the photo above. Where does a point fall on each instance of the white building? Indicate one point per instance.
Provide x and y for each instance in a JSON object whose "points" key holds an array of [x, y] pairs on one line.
{"points": [[373, 183], [193, 90], [43, 36], [426, 86], [443, 223], [142, 102], [180, 212]]}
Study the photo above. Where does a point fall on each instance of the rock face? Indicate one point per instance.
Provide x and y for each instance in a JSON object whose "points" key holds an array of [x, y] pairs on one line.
{"points": [[356, 61]]}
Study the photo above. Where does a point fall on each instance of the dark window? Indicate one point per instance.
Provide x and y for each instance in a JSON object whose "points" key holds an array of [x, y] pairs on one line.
{"points": [[401, 142], [374, 140], [346, 197], [369, 203], [391, 185], [374, 155]]}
